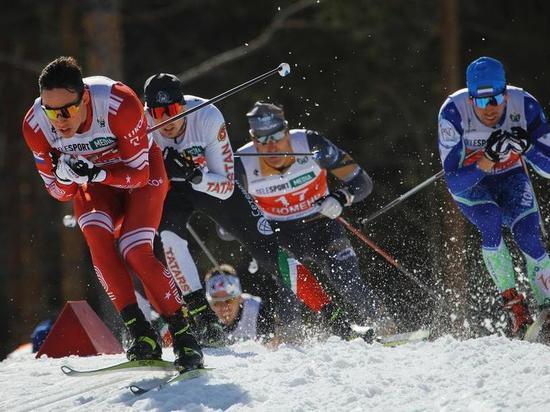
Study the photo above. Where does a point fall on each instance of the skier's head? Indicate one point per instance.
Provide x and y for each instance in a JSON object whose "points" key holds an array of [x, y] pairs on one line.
{"points": [[223, 292], [486, 82], [269, 132], [63, 95], [266, 119], [163, 99]]}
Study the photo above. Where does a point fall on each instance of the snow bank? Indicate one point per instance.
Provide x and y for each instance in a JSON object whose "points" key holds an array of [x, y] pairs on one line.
{"points": [[486, 374]]}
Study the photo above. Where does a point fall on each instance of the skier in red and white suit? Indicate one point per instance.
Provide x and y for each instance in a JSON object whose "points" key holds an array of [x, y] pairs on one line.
{"points": [[88, 138]]}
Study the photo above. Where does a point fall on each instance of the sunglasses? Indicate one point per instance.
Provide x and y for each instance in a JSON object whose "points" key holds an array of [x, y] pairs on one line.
{"points": [[224, 300], [483, 102], [171, 109], [66, 112], [275, 137]]}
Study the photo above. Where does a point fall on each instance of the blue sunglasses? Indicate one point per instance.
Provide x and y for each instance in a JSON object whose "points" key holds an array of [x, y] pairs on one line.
{"points": [[483, 102]]}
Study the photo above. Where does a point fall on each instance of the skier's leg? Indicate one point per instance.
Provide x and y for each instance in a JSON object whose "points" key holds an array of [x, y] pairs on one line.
{"points": [[527, 235], [172, 233], [143, 209], [487, 218], [325, 244], [98, 211], [142, 215]]}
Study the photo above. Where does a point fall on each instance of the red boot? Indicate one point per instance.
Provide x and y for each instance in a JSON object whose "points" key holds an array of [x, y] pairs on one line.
{"points": [[520, 317]]}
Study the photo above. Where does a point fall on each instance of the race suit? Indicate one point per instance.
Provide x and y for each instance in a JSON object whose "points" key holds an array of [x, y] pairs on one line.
{"points": [[503, 196], [127, 205], [289, 200]]}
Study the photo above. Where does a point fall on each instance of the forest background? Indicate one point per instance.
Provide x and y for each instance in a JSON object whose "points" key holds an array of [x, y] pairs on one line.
{"points": [[370, 75]]}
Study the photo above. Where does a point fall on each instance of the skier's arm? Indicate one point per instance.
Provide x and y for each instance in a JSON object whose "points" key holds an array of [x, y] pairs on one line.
{"points": [[218, 175], [538, 129], [42, 152], [453, 152], [128, 124], [240, 175], [357, 183]]}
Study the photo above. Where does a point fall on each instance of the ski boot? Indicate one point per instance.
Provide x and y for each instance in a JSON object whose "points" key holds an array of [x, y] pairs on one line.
{"points": [[520, 318], [335, 320], [145, 344], [186, 348]]}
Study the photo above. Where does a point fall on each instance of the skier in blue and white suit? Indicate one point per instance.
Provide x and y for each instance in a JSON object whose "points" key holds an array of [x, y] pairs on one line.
{"points": [[486, 133]]}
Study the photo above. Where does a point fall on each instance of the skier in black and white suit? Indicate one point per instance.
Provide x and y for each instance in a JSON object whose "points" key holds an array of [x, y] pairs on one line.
{"points": [[199, 162]]}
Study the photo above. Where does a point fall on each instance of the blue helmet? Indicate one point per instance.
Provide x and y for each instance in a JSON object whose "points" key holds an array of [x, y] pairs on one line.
{"points": [[485, 77]]}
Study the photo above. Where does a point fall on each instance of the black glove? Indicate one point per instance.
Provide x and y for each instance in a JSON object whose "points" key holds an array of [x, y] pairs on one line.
{"points": [[497, 146], [519, 140], [180, 168], [85, 168]]}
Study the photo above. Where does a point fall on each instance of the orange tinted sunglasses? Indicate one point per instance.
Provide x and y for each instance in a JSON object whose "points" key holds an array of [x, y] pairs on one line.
{"points": [[170, 109]]}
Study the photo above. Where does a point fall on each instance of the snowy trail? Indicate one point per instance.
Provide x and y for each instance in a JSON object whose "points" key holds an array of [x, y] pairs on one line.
{"points": [[486, 374]]}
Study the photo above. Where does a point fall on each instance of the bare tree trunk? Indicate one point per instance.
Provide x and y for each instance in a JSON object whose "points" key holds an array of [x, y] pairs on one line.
{"points": [[103, 37], [74, 270], [453, 316], [102, 25]]}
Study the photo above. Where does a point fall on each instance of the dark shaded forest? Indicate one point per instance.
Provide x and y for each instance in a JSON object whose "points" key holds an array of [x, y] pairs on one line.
{"points": [[369, 75]]}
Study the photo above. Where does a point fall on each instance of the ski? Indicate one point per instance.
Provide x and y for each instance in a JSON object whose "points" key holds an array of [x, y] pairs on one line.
{"points": [[533, 331], [403, 338], [183, 376], [149, 365]]}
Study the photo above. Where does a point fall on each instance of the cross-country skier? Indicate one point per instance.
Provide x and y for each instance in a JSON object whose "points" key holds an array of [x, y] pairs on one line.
{"points": [[241, 316], [199, 162], [486, 133], [89, 145], [292, 190]]}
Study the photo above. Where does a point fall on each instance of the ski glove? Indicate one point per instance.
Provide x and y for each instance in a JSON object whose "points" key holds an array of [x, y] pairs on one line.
{"points": [[179, 168], [87, 170], [59, 169], [68, 169], [497, 146], [519, 140], [332, 205]]}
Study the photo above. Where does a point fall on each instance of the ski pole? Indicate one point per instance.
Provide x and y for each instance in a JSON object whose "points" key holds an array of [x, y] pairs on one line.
{"points": [[202, 245], [283, 70], [542, 228], [360, 235], [314, 153], [408, 194]]}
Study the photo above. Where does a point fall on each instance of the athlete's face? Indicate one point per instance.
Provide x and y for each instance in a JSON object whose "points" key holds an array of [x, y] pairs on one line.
{"points": [[226, 310], [491, 114], [174, 129], [275, 146], [65, 110]]}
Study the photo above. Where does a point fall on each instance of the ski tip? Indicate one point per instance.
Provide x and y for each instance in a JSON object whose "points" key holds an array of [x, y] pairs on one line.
{"points": [[136, 390], [67, 370]]}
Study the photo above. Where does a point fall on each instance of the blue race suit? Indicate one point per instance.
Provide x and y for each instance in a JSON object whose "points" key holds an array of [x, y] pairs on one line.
{"points": [[503, 196]]}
